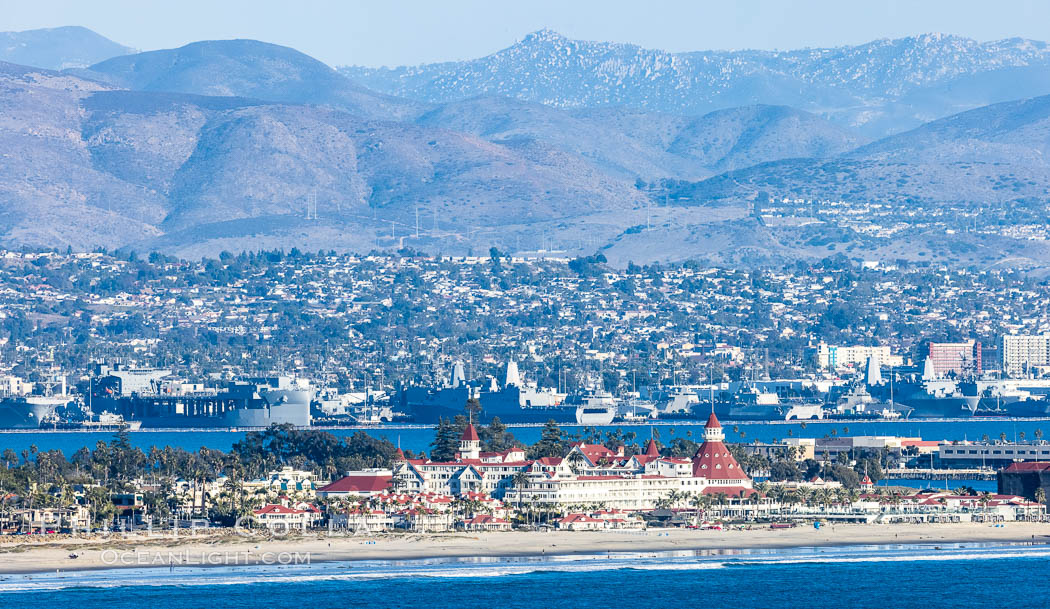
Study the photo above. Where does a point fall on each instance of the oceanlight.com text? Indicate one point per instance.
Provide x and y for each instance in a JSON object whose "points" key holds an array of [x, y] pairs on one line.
{"points": [[120, 558]]}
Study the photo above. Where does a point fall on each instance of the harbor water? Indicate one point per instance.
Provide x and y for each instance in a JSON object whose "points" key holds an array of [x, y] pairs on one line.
{"points": [[418, 438]]}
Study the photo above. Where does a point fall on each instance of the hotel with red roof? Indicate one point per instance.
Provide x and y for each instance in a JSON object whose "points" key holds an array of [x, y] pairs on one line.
{"points": [[588, 474]]}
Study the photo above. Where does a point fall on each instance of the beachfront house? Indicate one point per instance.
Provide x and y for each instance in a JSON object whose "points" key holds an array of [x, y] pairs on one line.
{"points": [[277, 517]]}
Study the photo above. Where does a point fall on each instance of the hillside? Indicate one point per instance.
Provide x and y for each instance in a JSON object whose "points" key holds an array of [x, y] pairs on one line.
{"points": [[134, 166], [245, 145], [58, 48], [992, 155], [246, 68]]}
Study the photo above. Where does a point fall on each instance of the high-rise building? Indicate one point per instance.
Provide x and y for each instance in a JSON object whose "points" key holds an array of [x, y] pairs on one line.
{"points": [[963, 359], [831, 357], [1023, 351]]}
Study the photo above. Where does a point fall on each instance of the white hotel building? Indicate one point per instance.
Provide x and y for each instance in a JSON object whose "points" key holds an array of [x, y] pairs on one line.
{"points": [[639, 482], [589, 474]]}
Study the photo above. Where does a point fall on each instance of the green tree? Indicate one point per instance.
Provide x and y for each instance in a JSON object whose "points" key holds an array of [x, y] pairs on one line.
{"points": [[445, 446], [552, 442]]}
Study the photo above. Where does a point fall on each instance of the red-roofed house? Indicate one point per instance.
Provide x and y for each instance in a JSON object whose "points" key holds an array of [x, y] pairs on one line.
{"points": [[714, 462], [363, 484], [580, 522], [286, 518], [651, 449]]}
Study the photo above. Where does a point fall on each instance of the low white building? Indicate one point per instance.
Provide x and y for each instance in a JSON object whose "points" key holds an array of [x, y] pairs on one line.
{"points": [[278, 517]]}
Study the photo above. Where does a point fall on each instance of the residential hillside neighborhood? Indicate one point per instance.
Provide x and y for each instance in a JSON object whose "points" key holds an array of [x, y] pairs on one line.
{"points": [[374, 322]]}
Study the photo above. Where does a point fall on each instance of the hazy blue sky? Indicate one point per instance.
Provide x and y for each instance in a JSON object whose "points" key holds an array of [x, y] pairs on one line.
{"points": [[410, 32]]}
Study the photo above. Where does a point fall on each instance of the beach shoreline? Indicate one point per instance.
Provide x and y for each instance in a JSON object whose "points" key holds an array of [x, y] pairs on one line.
{"points": [[229, 550]]}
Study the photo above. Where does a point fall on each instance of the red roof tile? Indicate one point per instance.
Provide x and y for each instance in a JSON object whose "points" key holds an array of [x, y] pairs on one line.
{"points": [[651, 450], [357, 484], [713, 460], [470, 434], [1028, 466]]}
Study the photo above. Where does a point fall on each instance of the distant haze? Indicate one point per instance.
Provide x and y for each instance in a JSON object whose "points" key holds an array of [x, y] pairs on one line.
{"points": [[421, 31]]}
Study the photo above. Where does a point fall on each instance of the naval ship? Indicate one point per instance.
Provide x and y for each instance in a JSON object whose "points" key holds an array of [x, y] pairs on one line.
{"points": [[30, 411], [158, 400], [927, 394], [513, 402], [23, 409]]}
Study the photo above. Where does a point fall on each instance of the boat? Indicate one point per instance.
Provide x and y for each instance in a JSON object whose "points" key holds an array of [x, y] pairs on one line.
{"points": [[513, 401], [30, 411], [636, 410], [754, 404], [857, 403], [105, 421], [167, 402], [675, 402], [595, 407], [929, 395]]}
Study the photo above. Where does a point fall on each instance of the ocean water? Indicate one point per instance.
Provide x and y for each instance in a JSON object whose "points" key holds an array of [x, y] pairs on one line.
{"points": [[990, 486], [962, 575], [418, 438]]}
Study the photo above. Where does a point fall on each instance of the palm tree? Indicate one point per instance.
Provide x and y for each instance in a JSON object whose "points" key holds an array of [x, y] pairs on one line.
{"points": [[575, 459], [983, 500], [722, 498], [823, 497], [699, 501], [520, 480], [1040, 498]]}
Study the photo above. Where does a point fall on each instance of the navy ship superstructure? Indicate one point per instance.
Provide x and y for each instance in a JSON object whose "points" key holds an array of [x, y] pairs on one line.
{"points": [[513, 402], [158, 400]]}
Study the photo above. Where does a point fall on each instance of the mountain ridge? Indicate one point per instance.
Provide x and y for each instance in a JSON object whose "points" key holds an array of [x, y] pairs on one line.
{"points": [[58, 48], [246, 68], [875, 87]]}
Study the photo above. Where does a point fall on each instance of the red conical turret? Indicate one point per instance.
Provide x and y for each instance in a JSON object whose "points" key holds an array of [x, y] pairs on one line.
{"points": [[651, 449], [713, 459], [470, 434]]}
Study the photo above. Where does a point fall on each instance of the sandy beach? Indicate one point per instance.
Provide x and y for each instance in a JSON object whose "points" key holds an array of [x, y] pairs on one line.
{"points": [[214, 550]]}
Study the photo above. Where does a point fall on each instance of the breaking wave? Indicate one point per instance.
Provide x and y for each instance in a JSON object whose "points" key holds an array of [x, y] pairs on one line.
{"points": [[451, 568]]}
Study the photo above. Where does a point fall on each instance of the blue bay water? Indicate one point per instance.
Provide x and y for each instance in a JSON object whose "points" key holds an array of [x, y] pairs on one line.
{"points": [[964, 575], [418, 438]]}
